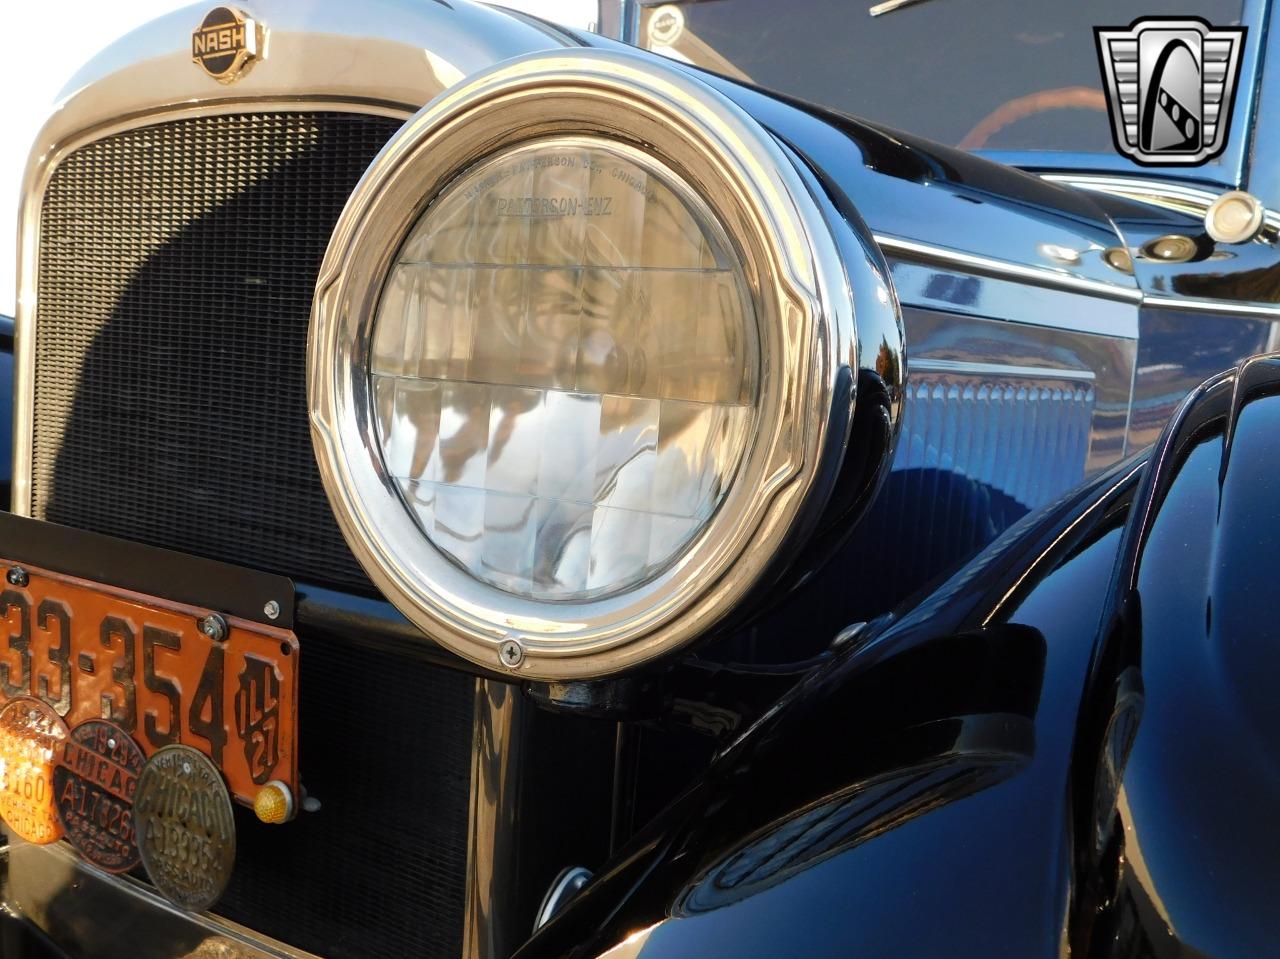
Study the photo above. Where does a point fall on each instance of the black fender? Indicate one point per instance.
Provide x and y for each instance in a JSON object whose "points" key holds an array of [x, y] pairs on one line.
{"points": [[1180, 846], [1072, 742], [909, 797]]}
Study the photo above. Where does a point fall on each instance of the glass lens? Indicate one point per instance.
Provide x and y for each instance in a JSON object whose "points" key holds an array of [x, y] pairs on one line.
{"points": [[565, 366]]}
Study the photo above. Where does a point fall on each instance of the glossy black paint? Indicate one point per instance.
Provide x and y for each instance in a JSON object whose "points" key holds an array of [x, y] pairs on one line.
{"points": [[928, 784], [1071, 744], [908, 187], [1187, 864], [911, 797]]}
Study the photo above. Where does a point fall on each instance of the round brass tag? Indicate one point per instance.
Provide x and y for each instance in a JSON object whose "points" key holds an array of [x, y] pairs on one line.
{"points": [[95, 779], [31, 733], [185, 828]]}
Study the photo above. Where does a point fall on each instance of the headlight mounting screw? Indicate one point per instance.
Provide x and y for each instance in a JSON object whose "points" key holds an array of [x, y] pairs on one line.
{"points": [[511, 654], [215, 627], [17, 576]]}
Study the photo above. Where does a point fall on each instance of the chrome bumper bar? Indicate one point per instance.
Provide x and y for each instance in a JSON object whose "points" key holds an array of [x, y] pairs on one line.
{"points": [[87, 912]]}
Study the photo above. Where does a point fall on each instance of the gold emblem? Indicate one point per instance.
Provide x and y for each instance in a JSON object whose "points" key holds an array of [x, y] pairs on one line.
{"points": [[225, 44]]}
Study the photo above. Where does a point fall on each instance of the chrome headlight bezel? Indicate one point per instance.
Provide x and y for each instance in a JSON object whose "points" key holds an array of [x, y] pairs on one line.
{"points": [[802, 300]]}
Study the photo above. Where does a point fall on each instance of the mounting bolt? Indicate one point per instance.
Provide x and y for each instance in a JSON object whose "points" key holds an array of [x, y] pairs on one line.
{"points": [[215, 627], [17, 576], [511, 654], [272, 609]]}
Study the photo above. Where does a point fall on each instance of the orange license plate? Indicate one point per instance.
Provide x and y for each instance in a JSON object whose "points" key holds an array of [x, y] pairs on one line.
{"points": [[93, 651]]}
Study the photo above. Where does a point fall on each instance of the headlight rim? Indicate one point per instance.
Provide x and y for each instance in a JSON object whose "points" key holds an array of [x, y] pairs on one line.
{"points": [[748, 182]]}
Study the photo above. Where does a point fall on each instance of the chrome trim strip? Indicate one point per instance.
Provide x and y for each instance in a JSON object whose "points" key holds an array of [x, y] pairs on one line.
{"points": [[491, 829], [1223, 307], [923, 252], [927, 365], [1179, 197], [1010, 299], [975, 263]]}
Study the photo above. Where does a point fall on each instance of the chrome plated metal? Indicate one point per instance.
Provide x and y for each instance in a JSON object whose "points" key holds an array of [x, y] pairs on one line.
{"points": [[1166, 194], [491, 845], [83, 908], [1235, 217], [1220, 307], [794, 268], [927, 365], [1223, 279], [1171, 195], [215, 627], [889, 6], [945, 286], [989, 266], [385, 58], [511, 654], [226, 43], [1170, 248], [564, 888]]}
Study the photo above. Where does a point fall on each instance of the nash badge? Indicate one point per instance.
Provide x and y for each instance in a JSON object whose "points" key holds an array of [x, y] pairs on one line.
{"points": [[94, 782], [225, 44], [186, 832]]}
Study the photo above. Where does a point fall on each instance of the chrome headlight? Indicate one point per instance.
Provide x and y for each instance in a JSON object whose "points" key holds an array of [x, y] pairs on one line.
{"points": [[579, 362]]}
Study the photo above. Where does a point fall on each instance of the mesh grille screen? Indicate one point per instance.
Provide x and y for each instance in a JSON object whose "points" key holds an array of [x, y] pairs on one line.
{"points": [[177, 264], [176, 270], [380, 870]]}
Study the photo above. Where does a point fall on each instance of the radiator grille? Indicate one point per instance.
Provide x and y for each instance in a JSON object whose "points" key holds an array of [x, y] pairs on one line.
{"points": [[177, 264], [380, 870]]}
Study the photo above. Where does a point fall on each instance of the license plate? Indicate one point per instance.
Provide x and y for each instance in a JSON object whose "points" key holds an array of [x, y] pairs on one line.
{"points": [[93, 651]]}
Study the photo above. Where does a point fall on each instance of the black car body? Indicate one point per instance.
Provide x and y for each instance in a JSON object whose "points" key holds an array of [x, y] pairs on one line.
{"points": [[912, 715]]}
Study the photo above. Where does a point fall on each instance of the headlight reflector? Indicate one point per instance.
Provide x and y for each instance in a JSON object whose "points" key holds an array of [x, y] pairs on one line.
{"points": [[565, 364]]}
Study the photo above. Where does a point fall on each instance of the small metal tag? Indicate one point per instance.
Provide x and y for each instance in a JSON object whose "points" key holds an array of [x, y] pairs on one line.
{"points": [[226, 44], [95, 780], [31, 733], [185, 827]]}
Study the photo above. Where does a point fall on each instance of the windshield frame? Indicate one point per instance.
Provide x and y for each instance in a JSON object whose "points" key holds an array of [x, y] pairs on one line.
{"points": [[1227, 170]]}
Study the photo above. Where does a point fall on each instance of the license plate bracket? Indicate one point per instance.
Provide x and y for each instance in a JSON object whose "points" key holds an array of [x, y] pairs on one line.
{"points": [[104, 645]]}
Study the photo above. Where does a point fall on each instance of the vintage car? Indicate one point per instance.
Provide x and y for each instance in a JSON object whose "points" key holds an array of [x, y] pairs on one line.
{"points": [[745, 480]]}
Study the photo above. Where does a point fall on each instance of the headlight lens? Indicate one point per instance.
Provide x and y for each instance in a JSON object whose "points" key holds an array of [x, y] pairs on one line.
{"points": [[565, 367], [581, 362]]}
